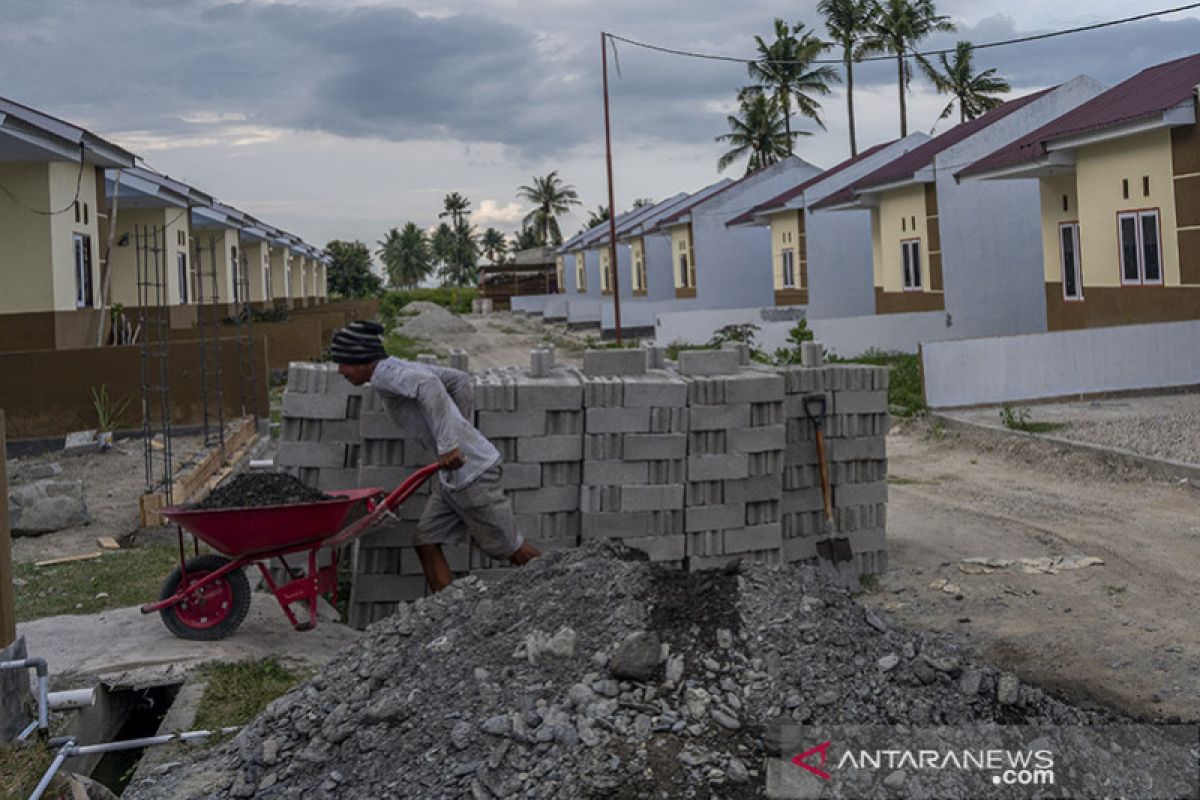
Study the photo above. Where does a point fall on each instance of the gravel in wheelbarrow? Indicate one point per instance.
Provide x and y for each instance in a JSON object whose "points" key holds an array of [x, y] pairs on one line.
{"points": [[258, 489]]}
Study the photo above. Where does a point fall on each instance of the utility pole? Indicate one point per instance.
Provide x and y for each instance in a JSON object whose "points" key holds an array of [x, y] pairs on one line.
{"points": [[612, 208]]}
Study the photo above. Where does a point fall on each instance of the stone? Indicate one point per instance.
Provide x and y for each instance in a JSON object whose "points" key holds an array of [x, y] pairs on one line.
{"points": [[725, 719], [79, 442], [562, 644], [724, 638], [736, 770], [697, 701], [460, 735], [674, 670], [827, 697], [47, 505], [970, 682], [888, 662], [1008, 690], [895, 779], [580, 695], [498, 725], [637, 657]]}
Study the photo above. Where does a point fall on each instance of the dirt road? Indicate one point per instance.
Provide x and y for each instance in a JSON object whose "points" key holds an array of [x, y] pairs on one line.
{"points": [[1122, 633]]}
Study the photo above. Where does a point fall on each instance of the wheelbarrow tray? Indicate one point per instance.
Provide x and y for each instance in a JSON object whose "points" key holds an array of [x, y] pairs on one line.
{"points": [[240, 532]]}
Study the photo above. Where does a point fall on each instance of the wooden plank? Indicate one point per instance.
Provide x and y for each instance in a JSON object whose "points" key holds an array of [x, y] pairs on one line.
{"points": [[206, 474], [107, 543], [8, 600], [68, 559]]}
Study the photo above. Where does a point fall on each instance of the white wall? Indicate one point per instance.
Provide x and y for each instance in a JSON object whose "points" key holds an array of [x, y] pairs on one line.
{"points": [[698, 326], [852, 336], [1060, 364]]}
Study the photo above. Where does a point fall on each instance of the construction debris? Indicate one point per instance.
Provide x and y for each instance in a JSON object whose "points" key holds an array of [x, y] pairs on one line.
{"points": [[256, 489], [446, 699], [1047, 565]]}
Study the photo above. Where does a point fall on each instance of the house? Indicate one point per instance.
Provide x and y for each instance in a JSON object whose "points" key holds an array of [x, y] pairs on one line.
{"points": [[217, 233], [822, 260], [1119, 201], [965, 255], [281, 267], [51, 228], [256, 262]]}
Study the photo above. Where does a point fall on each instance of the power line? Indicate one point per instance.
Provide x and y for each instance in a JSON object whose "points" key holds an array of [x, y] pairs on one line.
{"points": [[889, 57], [52, 212]]}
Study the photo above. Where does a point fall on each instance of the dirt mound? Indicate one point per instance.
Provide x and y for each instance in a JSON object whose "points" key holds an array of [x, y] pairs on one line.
{"points": [[590, 673], [429, 321], [255, 489]]}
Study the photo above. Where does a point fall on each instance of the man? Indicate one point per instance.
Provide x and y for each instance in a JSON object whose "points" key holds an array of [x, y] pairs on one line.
{"points": [[435, 403]]}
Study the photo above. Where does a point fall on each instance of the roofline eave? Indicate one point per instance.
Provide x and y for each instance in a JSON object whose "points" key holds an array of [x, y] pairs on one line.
{"points": [[1182, 114]]}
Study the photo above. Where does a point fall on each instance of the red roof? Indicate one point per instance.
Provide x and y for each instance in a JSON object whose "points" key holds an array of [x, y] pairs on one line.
{"points": [[1152, 91], [780, 200]]}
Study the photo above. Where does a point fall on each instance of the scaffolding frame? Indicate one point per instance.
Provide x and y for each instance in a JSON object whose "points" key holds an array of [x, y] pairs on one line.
{"points": [[151, 269]]}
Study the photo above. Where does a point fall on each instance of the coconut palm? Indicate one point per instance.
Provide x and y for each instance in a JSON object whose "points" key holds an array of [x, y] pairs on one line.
{"points": [[405, 254], [441, 244], [456, 207], [785, 70], [550, 197], [898, 27], [597, 217], [460, 267], [528, 237], [643, 202], [849, 24], [493, 245], [759, 132], [974, 93]]}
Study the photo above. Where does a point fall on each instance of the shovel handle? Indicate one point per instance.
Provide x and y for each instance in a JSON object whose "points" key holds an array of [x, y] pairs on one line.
{"points": [[824, 470]]}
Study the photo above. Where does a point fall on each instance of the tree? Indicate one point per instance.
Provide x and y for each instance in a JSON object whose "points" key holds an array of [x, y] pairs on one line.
{"points": [[597, 217], [759, 131], [974, 93], [349, 273], [493, 246], [460, 268], [784, 69], [849, 23], [898, 27], [441, 245], [643, 202], [456, 207], [526, 238], [550, 197], [405, 255]]}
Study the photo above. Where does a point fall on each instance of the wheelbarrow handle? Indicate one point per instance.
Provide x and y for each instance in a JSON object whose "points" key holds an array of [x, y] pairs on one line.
{"points": [[389, 502]]}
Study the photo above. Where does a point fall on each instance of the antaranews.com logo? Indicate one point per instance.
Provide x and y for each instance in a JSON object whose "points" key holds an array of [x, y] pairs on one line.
{"points": [[1020, 768]]}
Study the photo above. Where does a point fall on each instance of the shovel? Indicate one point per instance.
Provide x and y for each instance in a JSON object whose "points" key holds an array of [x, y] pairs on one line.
{"points": [[814, 409]]}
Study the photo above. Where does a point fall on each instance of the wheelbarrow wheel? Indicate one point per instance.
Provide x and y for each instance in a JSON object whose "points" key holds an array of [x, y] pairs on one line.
{"points": [[212, 612]]}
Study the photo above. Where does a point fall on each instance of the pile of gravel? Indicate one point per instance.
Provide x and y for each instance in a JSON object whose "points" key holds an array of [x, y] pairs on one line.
{"points": [[256, 489], [590, 673], [429, 320]]}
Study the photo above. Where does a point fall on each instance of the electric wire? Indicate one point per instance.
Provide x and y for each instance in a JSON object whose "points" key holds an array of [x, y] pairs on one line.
{"points": [[64, 209]]}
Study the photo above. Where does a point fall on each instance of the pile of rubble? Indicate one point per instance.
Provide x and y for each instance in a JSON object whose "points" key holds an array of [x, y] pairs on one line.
{"points": [[594, 673]]}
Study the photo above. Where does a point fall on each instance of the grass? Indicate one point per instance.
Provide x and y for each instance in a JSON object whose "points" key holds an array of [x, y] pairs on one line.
{"points": [[1018, 420], [458, 300], [406, 347], [237, 692], [905, 395], [127, 577], [21, 768]]}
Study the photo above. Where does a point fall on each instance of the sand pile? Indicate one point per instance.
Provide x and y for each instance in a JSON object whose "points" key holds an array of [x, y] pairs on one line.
{"points": [[429, 321]]}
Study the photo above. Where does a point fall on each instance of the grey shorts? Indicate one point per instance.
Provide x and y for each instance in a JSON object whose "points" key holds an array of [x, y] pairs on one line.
{"points": [[480, 510]]}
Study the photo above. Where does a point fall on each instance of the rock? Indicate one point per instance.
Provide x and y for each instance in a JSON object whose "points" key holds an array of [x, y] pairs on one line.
{"points": [[895, 779], [580, 695], [637, 657], [947, 665], [923, 672], [460, 735], [47, 505], [827, 697], [725, 719], [270, 751], [697, 701], [737, 771], [34, 472], [561, 644], [724, 638], [607, 688], [888, 662], [674, 670], [970, 682], [1008, 690], [78, 443], [875, 621], [499, 725]]}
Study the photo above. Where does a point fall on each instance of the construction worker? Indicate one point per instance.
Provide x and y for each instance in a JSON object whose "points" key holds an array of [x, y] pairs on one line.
{"points": [[434, 404]]}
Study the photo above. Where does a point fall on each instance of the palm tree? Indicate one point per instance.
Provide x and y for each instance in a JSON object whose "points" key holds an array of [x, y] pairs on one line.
{"points": [[898, 27], [406, 256], [643, 202], [493, 245], [456, 207], [974, 93], [597, 217], [460, 267], [550, 197], [849, 23], [528, 237], [441, 245], [785, 70], [760, 131]]}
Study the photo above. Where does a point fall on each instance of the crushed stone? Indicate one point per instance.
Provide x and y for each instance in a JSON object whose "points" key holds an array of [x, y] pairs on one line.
{"points": [[425, 320], [257, 489]]}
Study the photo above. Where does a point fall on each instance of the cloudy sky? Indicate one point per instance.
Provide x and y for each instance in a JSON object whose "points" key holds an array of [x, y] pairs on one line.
{"points": [[341, 118]]}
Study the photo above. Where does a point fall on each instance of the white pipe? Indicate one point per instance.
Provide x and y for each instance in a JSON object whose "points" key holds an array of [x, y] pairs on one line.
{"points": [[149, 741], [73, 698], [57, 763], [43, 676], [262, 464]]}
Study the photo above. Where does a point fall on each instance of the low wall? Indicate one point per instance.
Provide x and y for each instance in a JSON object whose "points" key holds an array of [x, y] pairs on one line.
{"points": [[696, 465], [1034, 366], [49, 392], [853, 336], [697, 327], [556, 308], [300, 339], [531, 303], [585, 311]]}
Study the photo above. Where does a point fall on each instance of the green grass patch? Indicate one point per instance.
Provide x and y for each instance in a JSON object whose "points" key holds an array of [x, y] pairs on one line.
{"points": [[117, 578], [457, 299], [905, 396], [406, 347], [237, 692], [1017, 419], [21, 767]]}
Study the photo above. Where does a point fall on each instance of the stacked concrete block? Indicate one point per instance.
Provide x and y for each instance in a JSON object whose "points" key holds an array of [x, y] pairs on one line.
{"points": [[635, 446], [855, 427], [734, 461], [319, 436]]}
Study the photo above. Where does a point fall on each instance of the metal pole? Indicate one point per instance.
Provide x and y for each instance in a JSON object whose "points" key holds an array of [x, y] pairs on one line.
{"points": [[612, 209], [8, 604]]}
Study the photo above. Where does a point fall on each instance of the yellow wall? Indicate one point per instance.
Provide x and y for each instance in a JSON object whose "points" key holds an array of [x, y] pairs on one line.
{"points": [[785, 234], [280, 270], [216, 243], [123, 258], [26, 278], [681, 242], [258, 263], [63, 179], [637, 264], [323, 280], [1053, 189], [907, 204], [297, 270], [1099, 171]]}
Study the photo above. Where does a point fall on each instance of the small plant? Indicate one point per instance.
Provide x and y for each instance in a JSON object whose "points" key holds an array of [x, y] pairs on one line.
{"points": [[797, 336], [110, 413], [741, 333], [1018, 420]]}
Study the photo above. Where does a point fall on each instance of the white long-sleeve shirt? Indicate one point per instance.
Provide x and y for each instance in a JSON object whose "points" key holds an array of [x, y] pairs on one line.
{"points": [[442, 399]]}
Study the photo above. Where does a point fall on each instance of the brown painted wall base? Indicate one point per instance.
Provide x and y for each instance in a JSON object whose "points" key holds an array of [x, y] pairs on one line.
{"points": [[1120, 305], [295, 340], [791, 297], [686, 293], [908, 302]]}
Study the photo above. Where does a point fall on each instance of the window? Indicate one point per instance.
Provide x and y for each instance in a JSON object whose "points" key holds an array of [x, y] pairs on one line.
{"points": [[904, 224], [911, 252], [683, 270], [1141, 259], [267, 288], [1068, 237], [1125, 188], [76, 212], [1066, 204], [83, 271], [605, 275], [788, 257], [85, 213], [639, 270], [181, 261], [1145, 185], [580, 273], [233, 273]]}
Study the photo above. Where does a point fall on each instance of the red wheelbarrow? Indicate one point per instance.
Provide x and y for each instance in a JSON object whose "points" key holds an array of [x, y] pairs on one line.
{"points": [[208, 596]]}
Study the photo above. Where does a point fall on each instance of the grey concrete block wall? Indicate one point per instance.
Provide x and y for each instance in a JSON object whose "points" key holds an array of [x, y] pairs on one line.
{"points": [[696, 464]]}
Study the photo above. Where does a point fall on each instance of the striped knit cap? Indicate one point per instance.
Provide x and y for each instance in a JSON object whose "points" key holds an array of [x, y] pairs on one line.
{"points": [[360, 342]]}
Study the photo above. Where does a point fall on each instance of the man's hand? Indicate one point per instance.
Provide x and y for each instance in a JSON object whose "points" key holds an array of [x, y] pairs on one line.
{"points": [[451, 460]]}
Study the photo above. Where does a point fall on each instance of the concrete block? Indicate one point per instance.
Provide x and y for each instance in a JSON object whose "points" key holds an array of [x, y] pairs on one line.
{"points": [[868, 540], [812, 354], [709, 362], [655, 391], [630, 524], [617, 420], [713, 518], [708, 418], [655, 447], [860, 494], [615, 473], [521, 476], [562, 391], [604, 392], [800, 549], [757, 440], [545, 500], [386, 478], [748, 387], [864, 402], [511, 424], [383, 452], [314, 406], [668, 420], [379, 425], [564, 421], [340, 430], [540, 363], [659, 548], [427, 358], [614, 362], [802, 501], [550, 448], [311, 454], [458, 360], [753, 538], [652, 498], [717, 468], [754, 490], [874, 447], [333, 479], [562, 473], [763, 465], [705, 543], [666, 471]]}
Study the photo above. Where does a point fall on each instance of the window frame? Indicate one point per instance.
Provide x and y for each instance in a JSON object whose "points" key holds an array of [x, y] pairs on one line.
{"points": [[1138, 215], [909, 285], [181, 268], [787, 264], [1062, 261], [580, 273], [84, 294]]}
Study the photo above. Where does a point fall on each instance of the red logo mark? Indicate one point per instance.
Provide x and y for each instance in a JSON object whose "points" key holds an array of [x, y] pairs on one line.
{"points": [[821, 749]]}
